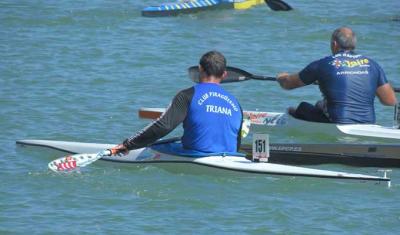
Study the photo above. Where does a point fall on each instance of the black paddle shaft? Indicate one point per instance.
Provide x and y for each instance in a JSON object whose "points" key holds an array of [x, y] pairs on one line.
{"points": [[233, 75], [239, 75], [236, 74]]}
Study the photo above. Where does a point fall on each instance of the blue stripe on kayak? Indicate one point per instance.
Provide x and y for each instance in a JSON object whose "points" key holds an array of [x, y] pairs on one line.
{"points": [[185, 5]]}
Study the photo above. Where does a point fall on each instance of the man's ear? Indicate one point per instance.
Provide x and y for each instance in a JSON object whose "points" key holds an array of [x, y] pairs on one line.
{"points": [[224, 75], [334, 47]]}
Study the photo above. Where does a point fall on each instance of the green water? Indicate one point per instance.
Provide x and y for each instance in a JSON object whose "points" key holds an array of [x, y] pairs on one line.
{"points": [[80, 70]]}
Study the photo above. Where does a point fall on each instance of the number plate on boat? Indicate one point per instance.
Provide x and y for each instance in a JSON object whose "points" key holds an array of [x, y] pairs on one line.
{"points": [[260, 147]]}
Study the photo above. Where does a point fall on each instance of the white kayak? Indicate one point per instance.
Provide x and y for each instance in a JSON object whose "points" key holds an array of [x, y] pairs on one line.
{"points": [[265, 121], [216, 162], [354, 154]]}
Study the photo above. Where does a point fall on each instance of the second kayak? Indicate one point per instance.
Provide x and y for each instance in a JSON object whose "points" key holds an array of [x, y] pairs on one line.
{"points": [[193, 6]]}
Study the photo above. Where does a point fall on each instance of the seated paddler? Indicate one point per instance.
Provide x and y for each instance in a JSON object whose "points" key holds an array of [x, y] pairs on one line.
{"points": [[211, 116], [349, 83]]}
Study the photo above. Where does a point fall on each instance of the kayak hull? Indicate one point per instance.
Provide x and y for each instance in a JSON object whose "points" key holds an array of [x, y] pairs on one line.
{"points": [[265, 122], [365, 155], [174, 9], [194, 6], [228, 163]]}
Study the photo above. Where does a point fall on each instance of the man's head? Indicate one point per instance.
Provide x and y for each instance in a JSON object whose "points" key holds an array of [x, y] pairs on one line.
{"points": [[212, 66], [343, 38]]}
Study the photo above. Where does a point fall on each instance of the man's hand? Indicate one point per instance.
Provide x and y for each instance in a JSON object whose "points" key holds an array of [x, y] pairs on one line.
{"points": [[119, 150], [289, 81], [282, 78]]}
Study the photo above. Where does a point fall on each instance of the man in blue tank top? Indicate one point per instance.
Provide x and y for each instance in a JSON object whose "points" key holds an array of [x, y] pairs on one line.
{"points": [[348, 82], [212, 118]]}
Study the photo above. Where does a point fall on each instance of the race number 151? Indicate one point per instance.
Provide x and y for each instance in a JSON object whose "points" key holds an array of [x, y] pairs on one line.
{"points": [[260, 147]]}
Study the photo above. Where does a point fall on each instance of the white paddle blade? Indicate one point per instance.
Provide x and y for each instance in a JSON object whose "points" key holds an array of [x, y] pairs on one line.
{"points": [[72, 162]]}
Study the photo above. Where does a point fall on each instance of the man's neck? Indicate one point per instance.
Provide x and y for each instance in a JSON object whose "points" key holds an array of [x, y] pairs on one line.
{"points": [[343, 51], [210, 79]]}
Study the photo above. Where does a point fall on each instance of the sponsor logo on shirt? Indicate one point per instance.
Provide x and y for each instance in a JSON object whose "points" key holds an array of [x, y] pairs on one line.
{"points": [[350, 63]]}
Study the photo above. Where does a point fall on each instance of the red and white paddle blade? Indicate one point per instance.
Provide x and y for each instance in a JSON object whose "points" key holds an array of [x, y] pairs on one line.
{"points": [[72, 162]]}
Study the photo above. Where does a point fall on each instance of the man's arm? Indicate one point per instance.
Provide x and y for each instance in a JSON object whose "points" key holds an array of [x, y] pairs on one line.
{"points": [[386, 95], [289, 82], [169, 120]]}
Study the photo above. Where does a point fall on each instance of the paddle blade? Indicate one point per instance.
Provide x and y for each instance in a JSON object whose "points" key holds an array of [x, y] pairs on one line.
{"points": [[233, 75], [72, 162], [194, 74], [278, 5], [236, 75]]}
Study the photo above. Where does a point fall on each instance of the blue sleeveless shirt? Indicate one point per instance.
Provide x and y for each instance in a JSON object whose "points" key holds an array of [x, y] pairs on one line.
{"points": [[348, 82], [213, 121]]}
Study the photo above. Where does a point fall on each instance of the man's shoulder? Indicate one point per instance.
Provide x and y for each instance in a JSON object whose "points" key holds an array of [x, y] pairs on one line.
{"points": [[322, 60], [185, 94], [187, 90], [317, 65]]}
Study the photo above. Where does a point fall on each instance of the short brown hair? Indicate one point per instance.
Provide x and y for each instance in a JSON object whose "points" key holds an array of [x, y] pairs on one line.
{"points": [[213, 63]]}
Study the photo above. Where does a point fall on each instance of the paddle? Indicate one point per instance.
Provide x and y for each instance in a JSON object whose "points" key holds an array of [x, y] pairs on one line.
{"points": [[239, 75], [278, 5], [234, 75], [71, 162]]}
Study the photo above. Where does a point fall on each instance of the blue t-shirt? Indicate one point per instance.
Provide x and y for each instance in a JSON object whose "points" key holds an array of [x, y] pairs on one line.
{"points": [[213, 121], [348, 82]]}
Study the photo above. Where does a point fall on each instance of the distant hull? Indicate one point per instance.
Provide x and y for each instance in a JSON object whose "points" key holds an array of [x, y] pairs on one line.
{"points": [[189, 7]]}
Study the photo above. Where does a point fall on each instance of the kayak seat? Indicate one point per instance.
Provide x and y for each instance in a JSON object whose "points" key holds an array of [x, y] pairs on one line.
{"points": [[176, 148]]}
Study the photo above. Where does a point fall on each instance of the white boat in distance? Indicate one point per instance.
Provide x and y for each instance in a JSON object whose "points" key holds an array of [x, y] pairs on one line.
{"points": [[194, 163], [261, 122]]}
